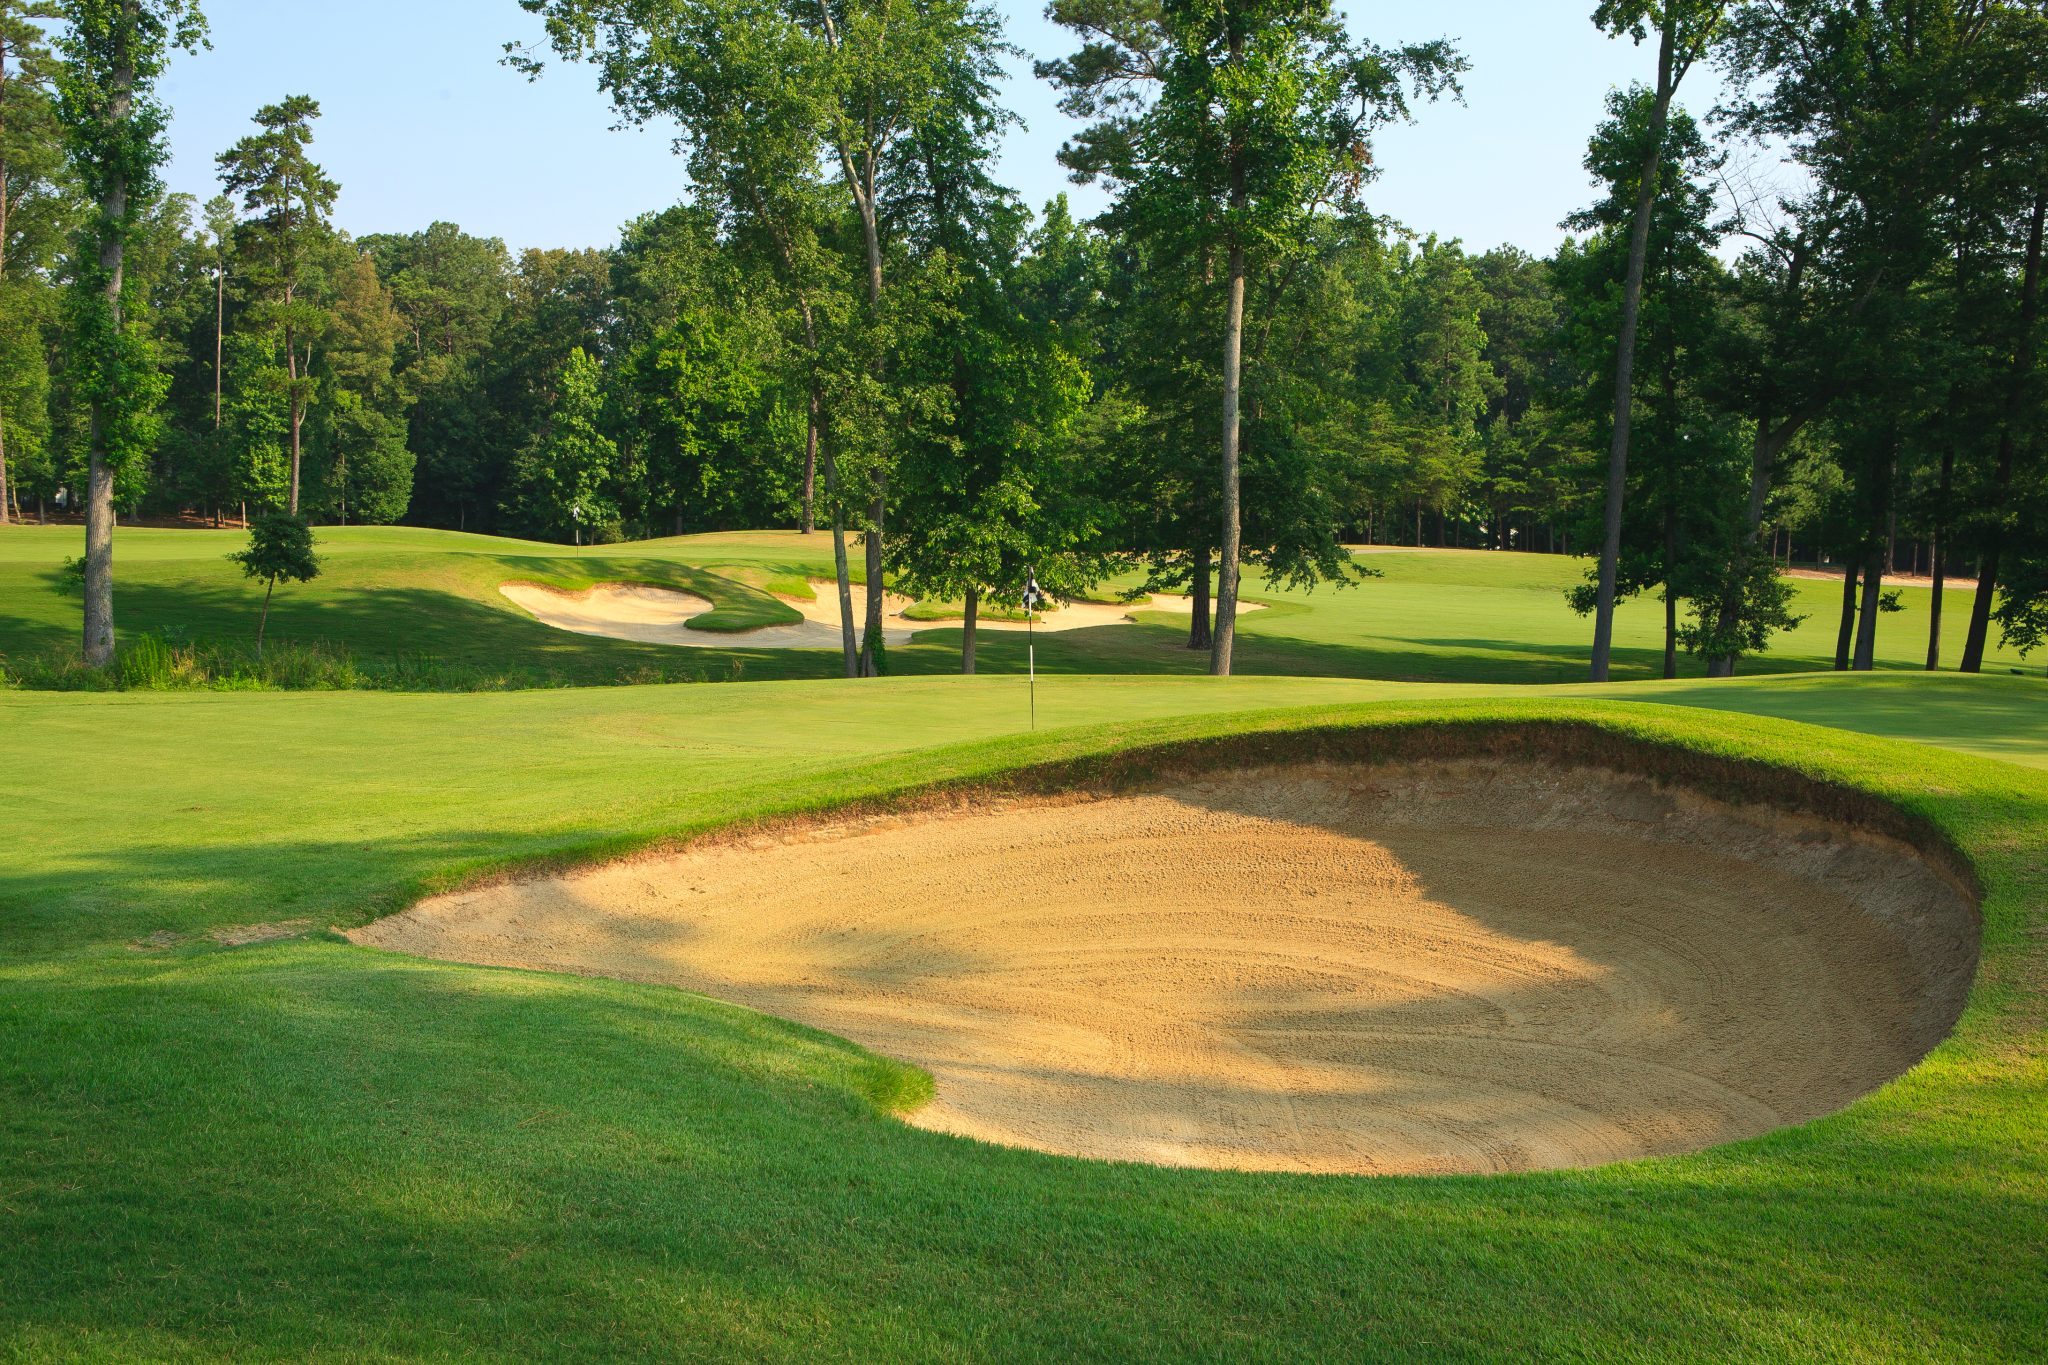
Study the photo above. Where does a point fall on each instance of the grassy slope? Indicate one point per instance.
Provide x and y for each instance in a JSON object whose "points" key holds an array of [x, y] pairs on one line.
{"points": [[1456, 616], [308, 1149]]}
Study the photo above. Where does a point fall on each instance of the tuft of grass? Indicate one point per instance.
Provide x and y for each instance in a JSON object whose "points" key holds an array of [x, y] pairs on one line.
{"points": [[148, 663]]}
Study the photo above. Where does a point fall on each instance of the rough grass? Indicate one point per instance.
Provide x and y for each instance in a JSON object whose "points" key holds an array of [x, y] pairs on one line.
{"points": [[307, 1150]]}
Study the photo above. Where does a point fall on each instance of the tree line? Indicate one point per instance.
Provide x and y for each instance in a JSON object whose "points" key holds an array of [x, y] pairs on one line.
{"points": [[850, 326]]}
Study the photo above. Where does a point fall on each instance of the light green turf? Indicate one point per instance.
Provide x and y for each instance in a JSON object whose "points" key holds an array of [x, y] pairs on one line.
{"points": [[1435, 616], [311, 1151]]}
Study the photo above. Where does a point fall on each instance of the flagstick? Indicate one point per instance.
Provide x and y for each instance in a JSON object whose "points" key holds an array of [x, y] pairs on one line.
{"points": [[1031, 628]]}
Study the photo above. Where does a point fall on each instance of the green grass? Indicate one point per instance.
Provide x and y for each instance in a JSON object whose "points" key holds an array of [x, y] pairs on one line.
{"points": [[307, 1150], [432, 597]]}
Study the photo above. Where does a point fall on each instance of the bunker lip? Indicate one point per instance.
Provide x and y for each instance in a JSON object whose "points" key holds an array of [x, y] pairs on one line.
{"points": [[647, 614], [1435, 963]]}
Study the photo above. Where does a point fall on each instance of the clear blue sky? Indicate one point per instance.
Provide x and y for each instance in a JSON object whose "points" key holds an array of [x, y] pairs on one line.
{"points": [[421, 122]]}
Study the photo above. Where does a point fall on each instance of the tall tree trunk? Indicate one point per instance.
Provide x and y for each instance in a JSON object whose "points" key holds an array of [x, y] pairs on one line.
{"points": [[1198, 625], [811, 467], [1625, 357], [291, 364], [99, 497], [841, 571], [1873, 596], [873, 645], [1670, 596], [967, 631], [1846, 636], [3, 461], [1884, 501], [2008, 444], [1223, 640], [1935, 567], [220, 329], [1230, 547]]}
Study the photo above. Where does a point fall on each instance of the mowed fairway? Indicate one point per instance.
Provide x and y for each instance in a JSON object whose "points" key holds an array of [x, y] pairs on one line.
{"points": [[305, 1149], [386, 593]]}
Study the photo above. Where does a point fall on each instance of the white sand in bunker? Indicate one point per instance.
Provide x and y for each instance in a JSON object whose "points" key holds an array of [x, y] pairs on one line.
{"points": [[1458, 967], [823, 609], [662, 616]]}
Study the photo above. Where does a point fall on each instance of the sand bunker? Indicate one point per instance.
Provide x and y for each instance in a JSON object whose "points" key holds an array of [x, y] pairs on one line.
{"points": [[1449, 967], [662, 616], [617, 611], [1087, 615], [823, 610]]}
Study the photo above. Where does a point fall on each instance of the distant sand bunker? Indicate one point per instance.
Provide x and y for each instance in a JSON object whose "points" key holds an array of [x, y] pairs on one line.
{"points": [[662, 616], [1447, 967]]}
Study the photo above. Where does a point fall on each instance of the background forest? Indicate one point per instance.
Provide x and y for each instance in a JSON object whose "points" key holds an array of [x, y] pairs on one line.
{"points": [[847, 324]]}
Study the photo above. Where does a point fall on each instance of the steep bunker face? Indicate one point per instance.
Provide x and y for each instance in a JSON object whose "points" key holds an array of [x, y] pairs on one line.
{"points": [[1464, 966]]}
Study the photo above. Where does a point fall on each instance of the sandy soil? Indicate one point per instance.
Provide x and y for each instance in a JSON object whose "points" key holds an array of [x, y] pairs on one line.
{"points": [[617, 611], [661, 616], [1434, 968]]}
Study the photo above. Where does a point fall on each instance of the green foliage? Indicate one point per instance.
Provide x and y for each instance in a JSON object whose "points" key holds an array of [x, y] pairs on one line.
{"points": [[565, 476], [280, 550], [710, 427], [363, 470], [252, 445], [1765, 608], [288, 199], [286, 196], [116, 154], [1232, 133]]}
